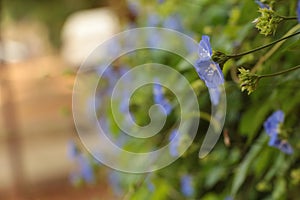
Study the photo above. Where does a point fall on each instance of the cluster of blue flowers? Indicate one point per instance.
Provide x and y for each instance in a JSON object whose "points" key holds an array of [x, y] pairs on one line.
{"points": [[85, 171], [115, 182], [154, 20], [187, 188], [208, 70], [272, 127], [160, 99], [174, 144]]}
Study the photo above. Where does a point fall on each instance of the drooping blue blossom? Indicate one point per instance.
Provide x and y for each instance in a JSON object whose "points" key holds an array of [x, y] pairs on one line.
{"points": [[282, 145], [214, 94], [273, 122], [118, 138], [160, 99], [173, 22], [286, 147], [154, 39], [153, 20], [150, 185], [72, 150], [205, 45], [109, 77], [86, 170], [187, 188], [114, 48], [174, 143], [262, 5], [229, 198], [272, 128], [115, 182], [161, 1], [298, 11], [208, 70], [190, 47]]}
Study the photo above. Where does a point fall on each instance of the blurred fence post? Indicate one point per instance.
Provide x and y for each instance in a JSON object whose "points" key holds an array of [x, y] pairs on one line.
{"points": [[11, 123]]}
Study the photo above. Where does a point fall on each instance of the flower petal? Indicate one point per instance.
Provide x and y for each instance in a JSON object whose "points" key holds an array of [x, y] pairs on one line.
{"points": [[205, 47], [214, 95], [210, 72], [286, 147]]}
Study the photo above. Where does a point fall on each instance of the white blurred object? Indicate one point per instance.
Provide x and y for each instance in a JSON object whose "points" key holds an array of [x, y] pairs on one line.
{"points": [[24, 40], [13, 51], [84, 31]]}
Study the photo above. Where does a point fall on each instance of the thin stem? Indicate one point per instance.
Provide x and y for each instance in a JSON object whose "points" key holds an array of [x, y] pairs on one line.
{"points": [[287, 18], [262, 47], [280, 73], [273, 49]]}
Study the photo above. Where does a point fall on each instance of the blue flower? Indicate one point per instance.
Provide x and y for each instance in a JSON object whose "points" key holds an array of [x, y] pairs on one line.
{"points": [[271, 125], [285, 147], [154, 40], [262, 5], [160, 99], [205, 45], [160, 1], [298, 11], [115, 182], [189, 45], [208, 70], [72, 150], [228, 198], [153, 20], [187, 186], [173, 22], [174, 143], [214, 94], [86, 170], [150, 185], [282, 145], [272, 128]]}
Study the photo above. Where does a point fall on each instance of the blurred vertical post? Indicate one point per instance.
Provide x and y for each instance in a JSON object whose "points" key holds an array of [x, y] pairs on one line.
{"points": [[10, 122]]}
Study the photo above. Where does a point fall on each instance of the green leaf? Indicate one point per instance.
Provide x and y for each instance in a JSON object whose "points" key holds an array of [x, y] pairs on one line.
{"points": [[215, 175], [262, 162], [253, 119], [279, 192], [243, 168]]}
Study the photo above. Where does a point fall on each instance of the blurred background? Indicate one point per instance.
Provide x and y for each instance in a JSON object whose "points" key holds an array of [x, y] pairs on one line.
{"points": [[42, 44], [39, 59]]}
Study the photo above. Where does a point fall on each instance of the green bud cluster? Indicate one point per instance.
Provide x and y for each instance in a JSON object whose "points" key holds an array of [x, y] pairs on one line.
{"points": [[220, 58], [248, 80], [268, 21], [295, 175]]}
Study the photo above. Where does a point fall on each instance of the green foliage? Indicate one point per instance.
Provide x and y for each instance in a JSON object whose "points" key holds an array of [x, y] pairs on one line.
{"points": [[244, 166]]}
